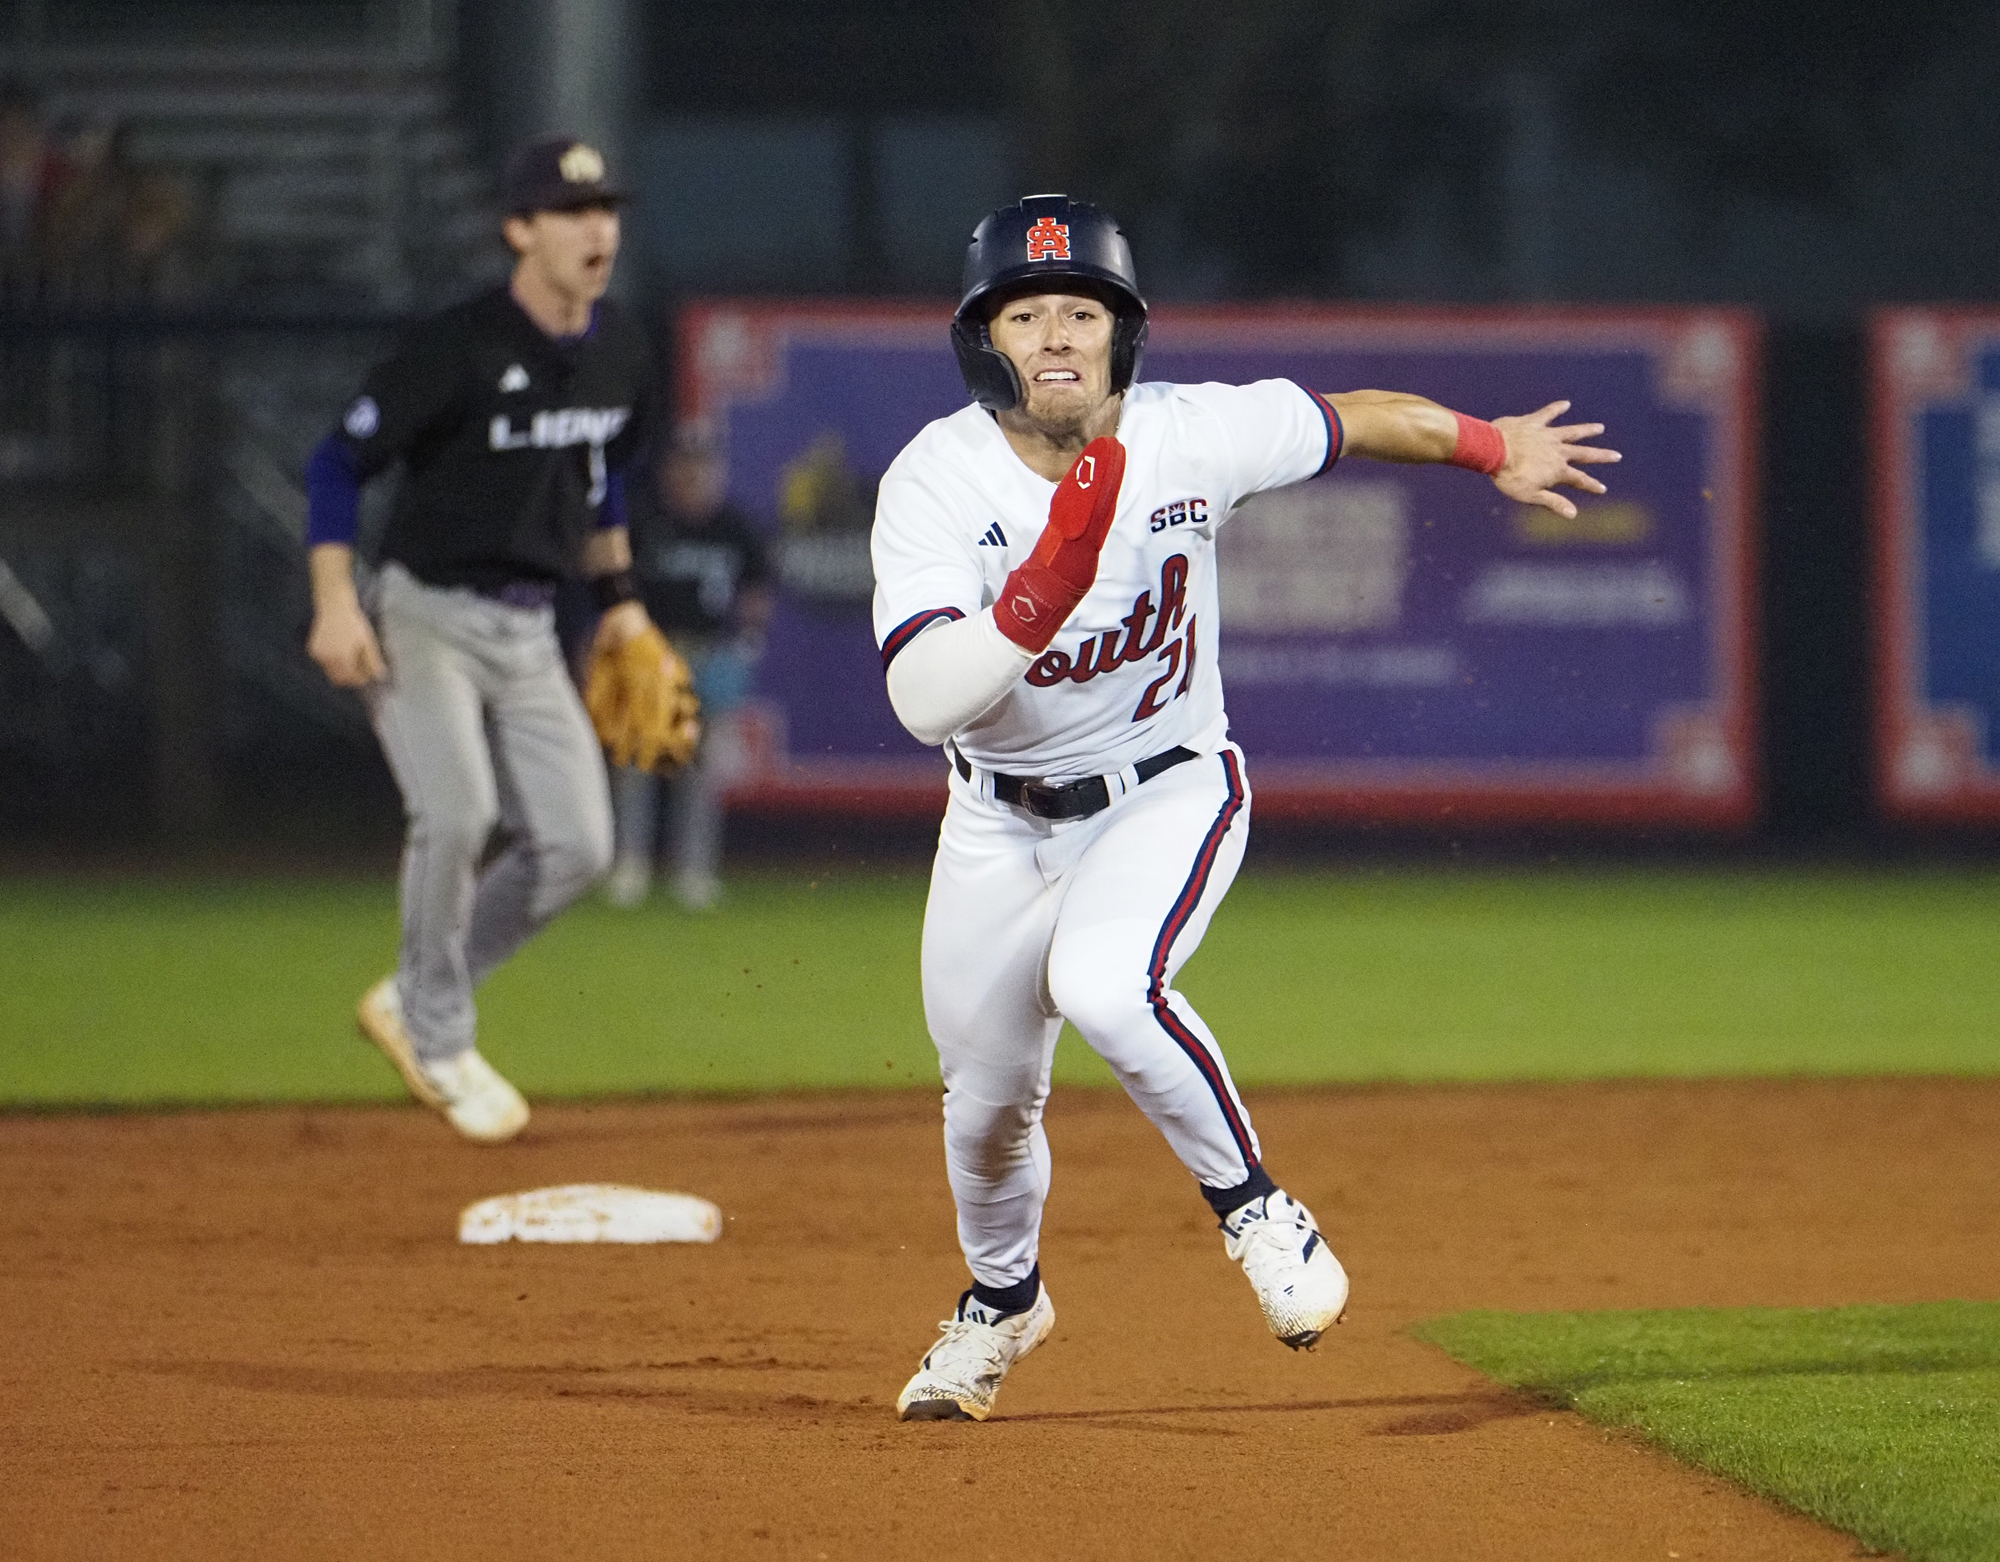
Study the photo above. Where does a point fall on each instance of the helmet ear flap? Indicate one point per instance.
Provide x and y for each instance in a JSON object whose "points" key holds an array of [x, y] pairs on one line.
{"points": [[989, 373], [1128, 344]]}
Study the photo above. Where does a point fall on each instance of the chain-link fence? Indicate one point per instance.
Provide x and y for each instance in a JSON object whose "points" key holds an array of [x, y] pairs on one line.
{"points": [[153, 596]]}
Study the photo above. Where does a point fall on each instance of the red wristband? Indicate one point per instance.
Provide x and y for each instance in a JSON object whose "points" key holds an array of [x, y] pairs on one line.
{"points": [[1481, 447]]}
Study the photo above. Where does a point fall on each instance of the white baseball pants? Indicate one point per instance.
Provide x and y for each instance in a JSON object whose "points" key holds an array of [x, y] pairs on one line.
{"points": [[1033, 921]]}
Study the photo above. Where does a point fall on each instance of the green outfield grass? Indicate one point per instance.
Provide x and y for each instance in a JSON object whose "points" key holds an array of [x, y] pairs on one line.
{"points": [[154, 991], [1881, 1421]]}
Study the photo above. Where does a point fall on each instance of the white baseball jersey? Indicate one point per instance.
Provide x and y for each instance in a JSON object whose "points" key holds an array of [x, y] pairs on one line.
{"points": [[1133, 672]]}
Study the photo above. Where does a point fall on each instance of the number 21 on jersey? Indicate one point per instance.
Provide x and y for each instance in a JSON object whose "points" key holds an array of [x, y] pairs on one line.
{"points": [[1145, 637]]}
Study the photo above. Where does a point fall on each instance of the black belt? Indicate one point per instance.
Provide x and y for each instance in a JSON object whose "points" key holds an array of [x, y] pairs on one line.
{"points": [[1079, 799]]}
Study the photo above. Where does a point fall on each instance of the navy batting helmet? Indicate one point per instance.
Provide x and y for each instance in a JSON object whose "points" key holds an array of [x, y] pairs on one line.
{"points": [[1045, 239]]}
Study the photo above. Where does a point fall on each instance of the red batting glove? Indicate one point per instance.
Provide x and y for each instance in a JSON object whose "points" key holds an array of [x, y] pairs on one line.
{"points": [[1039, 596]]}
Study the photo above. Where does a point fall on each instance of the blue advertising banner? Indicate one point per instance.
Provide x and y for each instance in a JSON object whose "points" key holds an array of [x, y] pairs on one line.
{"points": [[1937, 553], [1397, 642]]}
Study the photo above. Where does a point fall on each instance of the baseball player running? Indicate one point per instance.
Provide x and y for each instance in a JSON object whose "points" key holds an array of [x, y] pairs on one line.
{"points": [[1046, 606], [513, 415]]}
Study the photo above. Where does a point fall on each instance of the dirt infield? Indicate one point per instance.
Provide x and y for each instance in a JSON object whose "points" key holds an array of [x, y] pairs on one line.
{"points": [[251, 1334]]}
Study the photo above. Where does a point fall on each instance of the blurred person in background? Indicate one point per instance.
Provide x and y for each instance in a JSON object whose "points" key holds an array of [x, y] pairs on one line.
{"points": [[704, 576], [32, 170], [114, 228]]}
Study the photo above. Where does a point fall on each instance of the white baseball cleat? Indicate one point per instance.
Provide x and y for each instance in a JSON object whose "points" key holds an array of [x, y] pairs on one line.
{"points": [[628, 883], [696, 890], [467, 1089], [960, 1375], [1299, 1283], [478, 1101]]}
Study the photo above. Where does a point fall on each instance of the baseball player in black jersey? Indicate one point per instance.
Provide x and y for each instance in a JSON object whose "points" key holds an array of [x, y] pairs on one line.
{"points": [[514, 416], [704, 575]]}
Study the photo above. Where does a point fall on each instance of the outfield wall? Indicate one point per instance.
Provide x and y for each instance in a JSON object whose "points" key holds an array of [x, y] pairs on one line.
{"points": [[1936, 607], [1397, 643]]}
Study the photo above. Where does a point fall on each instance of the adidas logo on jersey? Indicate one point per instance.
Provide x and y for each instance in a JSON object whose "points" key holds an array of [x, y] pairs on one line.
{"points": [[994, 538], [515, 379]]}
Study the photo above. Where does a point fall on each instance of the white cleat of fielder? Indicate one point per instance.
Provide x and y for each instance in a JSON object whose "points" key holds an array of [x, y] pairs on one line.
{"points": [[1299, 1283], [468, 1090], [960, 1376]]}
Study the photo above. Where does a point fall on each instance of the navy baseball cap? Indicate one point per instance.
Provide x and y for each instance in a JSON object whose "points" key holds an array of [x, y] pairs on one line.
{"points": [[558, 174]]}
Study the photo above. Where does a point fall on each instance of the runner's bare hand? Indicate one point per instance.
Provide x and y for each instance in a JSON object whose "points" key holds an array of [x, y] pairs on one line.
{"points": [[1542, 458]]}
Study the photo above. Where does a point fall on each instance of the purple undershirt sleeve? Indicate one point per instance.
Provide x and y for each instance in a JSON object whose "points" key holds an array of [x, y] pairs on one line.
{"points": [[611, 512], [333, 494]]}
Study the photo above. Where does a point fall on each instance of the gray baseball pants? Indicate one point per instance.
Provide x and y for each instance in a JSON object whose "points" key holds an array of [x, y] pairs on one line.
{"points": [[483, 730]]}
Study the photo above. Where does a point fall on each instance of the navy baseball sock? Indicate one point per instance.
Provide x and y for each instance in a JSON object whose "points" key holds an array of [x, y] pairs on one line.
{"points": [[1000, 1300], [1227, 1201]]}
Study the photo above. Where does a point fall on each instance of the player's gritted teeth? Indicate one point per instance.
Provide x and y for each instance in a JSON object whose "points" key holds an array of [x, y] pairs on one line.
{"points": [[1058, 377]]}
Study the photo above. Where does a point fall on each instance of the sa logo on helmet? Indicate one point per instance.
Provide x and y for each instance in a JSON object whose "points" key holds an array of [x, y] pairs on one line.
{"points": [[1048, 240]]}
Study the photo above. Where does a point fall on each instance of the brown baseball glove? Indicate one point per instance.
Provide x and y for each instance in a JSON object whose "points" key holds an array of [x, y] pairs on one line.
{"points": [[642, 703]]}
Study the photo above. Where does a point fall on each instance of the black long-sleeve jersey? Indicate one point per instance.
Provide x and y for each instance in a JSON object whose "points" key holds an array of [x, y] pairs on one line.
{"points": [[509, 437], [692, 574]]}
